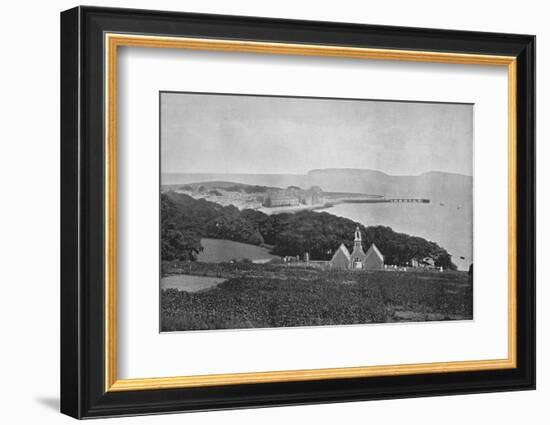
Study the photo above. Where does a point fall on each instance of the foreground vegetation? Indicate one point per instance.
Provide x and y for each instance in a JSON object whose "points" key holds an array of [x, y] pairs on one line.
{"points": [[262, 296]]}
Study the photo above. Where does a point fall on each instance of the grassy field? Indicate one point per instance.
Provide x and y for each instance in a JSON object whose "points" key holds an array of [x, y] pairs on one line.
{"points": [[220, 250], [264, 296]]}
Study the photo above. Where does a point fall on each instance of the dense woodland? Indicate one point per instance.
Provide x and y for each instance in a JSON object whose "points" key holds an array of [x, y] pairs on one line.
{"points": [[185, 220]]}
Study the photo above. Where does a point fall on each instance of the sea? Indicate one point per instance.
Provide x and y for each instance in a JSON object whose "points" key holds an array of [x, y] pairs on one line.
{"points": [[446, 223], [447, 220]]}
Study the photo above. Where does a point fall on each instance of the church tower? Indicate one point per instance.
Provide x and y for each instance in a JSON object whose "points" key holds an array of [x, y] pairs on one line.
{"points": [[357, 260], [357, 243], [358, 255]]}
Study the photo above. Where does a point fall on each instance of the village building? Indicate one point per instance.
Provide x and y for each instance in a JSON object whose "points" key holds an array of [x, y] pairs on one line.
{"points": [[281, 199], [374, 258], [341, 259], [293, 196], [358, 259], [425, 263], [312, 196]]}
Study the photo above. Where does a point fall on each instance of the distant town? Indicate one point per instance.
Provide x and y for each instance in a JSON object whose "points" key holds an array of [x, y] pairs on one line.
{"points": [[272, 200]]}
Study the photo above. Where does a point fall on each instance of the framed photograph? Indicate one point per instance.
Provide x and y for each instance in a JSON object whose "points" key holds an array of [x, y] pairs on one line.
{"points": [[261, 212]]}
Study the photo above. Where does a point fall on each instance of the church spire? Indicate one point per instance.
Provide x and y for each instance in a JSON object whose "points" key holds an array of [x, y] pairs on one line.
{"points": [[357, 241]]}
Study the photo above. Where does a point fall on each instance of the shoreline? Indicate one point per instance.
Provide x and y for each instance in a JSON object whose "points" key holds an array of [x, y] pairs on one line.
{"points": [[282, 210], [332, 203]]}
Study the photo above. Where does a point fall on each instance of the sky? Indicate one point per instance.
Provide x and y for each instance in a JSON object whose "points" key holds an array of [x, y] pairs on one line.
{"points": [[212, 133]]}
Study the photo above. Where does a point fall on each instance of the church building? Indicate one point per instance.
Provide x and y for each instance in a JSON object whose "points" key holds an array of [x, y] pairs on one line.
{"points": [[358, 259]]}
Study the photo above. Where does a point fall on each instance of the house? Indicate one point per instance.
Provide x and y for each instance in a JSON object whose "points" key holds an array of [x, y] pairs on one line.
{"points": [[358, 259], [281, 199], [341, 259], [426, 263], [313, 196], [293, 196], [374, 258]]}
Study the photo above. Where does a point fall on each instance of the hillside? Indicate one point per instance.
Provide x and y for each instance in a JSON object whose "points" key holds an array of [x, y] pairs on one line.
{"points": [[218, 184], [434, 185], [271, 180], [185, 220]]}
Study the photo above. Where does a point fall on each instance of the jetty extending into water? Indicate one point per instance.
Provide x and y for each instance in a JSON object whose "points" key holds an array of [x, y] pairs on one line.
{"points": [[377, 200], [380, 200]]}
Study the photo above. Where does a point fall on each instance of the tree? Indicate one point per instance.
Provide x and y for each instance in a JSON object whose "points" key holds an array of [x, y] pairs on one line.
{"points": [[318, 233], [177, 242], [178, 245], [256, 239]]}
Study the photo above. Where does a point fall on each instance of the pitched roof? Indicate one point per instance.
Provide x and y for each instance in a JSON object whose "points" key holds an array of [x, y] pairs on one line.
{"points": [[342, 248], [374, 250], [358, 252]]}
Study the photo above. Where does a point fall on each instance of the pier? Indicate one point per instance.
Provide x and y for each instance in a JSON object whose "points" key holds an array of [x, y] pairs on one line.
{"points": [[385, 200], [421, 200]]}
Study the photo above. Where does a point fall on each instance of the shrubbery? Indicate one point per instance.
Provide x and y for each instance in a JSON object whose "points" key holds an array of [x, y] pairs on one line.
{"points": [[257, 296], [318, 233]]}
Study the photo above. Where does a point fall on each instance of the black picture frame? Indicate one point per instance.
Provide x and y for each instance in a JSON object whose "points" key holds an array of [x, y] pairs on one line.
{"points": [[83, 392]]}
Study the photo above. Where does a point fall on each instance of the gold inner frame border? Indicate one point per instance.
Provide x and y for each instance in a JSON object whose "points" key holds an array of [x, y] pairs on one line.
{"points": [[111, 43]]}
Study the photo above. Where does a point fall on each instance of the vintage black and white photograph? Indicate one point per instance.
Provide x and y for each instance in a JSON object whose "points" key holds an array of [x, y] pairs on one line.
{"points": [[281, 211]]}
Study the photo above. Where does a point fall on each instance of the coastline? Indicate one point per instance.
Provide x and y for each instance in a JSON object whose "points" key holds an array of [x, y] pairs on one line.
{"points": [[282, 210]]}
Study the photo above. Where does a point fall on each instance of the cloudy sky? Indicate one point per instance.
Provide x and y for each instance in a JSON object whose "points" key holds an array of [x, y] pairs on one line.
{"points": [[205, 133]]}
